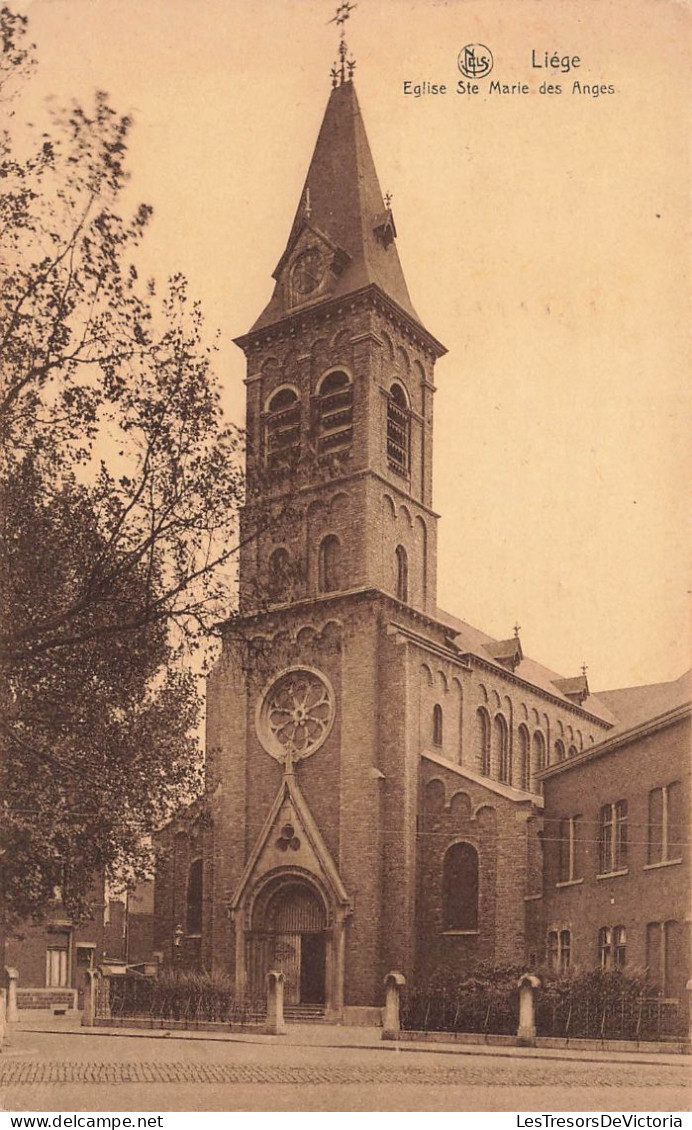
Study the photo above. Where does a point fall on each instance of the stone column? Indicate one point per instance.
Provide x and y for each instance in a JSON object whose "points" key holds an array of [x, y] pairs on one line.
{"points": [[688, 986], [11, 982], [90, 995], [276, 1025], [526, 1032], [391, 1023]]}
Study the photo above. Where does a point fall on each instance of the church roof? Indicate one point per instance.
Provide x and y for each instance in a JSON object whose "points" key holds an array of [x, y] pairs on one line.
{"points": [[472, 641], [342, 208], [634, 705]]}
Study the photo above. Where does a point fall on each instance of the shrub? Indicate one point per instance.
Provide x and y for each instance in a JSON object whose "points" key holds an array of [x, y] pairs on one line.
{"points": [[186, 996]]}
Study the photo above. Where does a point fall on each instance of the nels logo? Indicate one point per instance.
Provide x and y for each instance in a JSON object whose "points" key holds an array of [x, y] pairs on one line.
{"points": [[475, 60]]}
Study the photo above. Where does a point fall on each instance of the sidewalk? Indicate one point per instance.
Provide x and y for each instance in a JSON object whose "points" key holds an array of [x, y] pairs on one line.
{"points": [[332, 1035]]}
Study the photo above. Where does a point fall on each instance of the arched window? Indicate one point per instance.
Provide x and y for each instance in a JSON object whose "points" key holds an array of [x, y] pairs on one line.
{"points": [[194, 897], [572, 751], [460, 888], [282, 429], [401, 573], [483, 731], [437, 724], [501, 749], [398, 430], [279, 574], [329, 566], [334, 414], [523, 735], [538, 753], [560, 753]]}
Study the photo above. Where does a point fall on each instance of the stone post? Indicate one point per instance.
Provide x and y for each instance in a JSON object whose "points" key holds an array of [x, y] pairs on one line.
{"points": [[276, 1025], [11, 980], [3, 1014], [391, 1022], [688, 986], [526, 1032], [90, 997]]}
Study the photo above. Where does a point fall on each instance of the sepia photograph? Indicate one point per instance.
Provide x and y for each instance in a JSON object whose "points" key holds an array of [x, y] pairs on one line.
{"points": [[345, 543]]}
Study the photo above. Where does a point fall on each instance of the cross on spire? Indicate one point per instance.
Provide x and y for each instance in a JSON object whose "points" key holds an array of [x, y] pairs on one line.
{"points": [[343, 70]]}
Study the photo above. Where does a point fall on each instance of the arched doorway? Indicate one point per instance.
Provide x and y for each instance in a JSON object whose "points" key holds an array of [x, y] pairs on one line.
{"points": [[289, 934]]}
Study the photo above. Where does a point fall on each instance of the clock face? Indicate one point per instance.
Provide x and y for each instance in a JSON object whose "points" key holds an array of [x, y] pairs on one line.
{"points": [[308, 271]]}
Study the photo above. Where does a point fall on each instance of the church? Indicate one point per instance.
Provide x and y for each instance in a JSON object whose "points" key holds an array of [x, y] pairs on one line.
{"points": [[374, 796]]}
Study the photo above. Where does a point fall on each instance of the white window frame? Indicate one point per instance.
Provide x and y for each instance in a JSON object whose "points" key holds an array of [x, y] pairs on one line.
{"points": [[63, 967], [666, 858]]}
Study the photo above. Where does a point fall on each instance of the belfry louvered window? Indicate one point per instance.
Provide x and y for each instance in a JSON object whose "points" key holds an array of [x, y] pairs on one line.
{"points": [[282, 429], [335, 414], [398, 430]]}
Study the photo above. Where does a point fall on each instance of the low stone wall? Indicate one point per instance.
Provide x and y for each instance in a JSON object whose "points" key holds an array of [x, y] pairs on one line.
{"points": [[150, 1023], [662, 1047], [46, 998]]}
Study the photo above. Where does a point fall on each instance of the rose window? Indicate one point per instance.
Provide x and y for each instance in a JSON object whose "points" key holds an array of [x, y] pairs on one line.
{"points": [[296, 714]]}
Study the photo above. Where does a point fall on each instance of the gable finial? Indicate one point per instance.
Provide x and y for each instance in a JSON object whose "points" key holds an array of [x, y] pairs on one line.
{"points": [[388, 201], [338, 71], [584, 669], [517, 629]]}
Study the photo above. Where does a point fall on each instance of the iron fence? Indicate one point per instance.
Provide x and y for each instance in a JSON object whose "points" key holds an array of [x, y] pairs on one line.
{"points": [[603, 1017], [567, 1012], [477, 1010], [186, 1000]]}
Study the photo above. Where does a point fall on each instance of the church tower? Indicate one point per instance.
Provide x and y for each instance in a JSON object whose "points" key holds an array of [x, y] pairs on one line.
{"points": [[339, 396], [312, 790]]}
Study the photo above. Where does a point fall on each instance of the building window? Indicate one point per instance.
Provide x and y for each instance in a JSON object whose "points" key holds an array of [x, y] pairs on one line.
{"points": [[195, 886], [612, 947], [612, 837], [460, 888], [523, 757], [501, 750], [664, 956], [401, 573], [559, 949], [538, 754], [619, 947], [335, 414], [568, 861], [560, 750], [398, 430], [329, 579], [483, 721], [282, 430], [437, 724], [57, 974], [605, 947], [279, 574], [572, 751], [665, 825]]}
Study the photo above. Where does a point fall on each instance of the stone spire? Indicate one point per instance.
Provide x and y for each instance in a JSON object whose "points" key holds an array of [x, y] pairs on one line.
{"points": [[342, 221]]}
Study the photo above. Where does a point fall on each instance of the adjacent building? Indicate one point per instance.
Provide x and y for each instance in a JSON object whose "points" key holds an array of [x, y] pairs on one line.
{"points": [[616, 839]]}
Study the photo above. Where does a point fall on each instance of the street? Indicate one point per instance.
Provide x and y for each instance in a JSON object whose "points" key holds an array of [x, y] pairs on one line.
{"points": [[320, 1069]]}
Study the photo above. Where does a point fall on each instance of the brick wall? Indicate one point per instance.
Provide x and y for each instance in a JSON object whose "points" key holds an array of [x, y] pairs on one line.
{"points": [[453, 810], [641, 894]]}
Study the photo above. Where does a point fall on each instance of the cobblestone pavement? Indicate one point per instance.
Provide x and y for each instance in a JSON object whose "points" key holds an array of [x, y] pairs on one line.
{"points": [[59, 1071], [38, 1072]]}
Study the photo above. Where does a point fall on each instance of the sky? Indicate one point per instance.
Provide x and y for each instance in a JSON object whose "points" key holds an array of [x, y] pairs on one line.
{"points": [[545, 240]]}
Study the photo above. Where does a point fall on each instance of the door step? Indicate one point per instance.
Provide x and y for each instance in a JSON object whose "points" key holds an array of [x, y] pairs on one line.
{"points": [[304, 1013]]}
